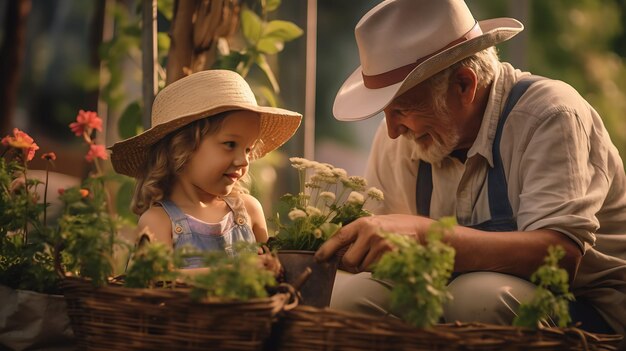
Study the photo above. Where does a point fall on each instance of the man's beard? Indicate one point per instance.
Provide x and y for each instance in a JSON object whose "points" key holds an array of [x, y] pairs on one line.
{"points": [[438, 149]]}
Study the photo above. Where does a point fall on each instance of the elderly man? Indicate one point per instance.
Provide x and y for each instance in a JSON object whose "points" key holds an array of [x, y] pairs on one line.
{"points": [[522, 162]]}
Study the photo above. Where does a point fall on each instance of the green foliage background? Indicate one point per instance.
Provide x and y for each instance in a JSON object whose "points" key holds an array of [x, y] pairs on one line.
{"points": [[581, 42]]}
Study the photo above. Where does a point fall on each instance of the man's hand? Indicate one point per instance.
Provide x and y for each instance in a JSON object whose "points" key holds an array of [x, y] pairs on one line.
{"points": [[362, 242]]}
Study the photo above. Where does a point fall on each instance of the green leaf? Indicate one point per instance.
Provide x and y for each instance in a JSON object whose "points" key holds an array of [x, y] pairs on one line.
{"points": [[163, 42], [151, 262], [329, 229], [270, 45], [232, 278], [104, 50], [275, 34], [124, 197], [132, 31], [230, 61], [86, 77], [284, 30], [261, 61], [420, 274], [551, 297], [265, 96], [272, 5], [251, 26], [130, 122], [166, 8]]}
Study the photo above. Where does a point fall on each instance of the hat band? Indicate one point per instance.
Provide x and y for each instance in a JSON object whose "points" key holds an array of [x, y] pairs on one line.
{"points": [[397, 75]]}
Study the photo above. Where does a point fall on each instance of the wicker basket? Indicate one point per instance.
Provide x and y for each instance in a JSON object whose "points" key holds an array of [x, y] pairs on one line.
{"points": [[118, 318], [308, 328]]}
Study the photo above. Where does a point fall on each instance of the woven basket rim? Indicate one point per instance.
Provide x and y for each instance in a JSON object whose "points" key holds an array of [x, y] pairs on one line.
{"points": [[115, 317], [473, 335], [174, 292]]}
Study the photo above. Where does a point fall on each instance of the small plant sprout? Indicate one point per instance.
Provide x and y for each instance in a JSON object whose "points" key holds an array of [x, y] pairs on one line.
{"points": [[552, 296], [419, 274]]}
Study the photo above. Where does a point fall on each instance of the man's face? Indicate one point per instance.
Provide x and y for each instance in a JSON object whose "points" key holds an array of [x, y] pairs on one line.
{"points": [[412, 115]]}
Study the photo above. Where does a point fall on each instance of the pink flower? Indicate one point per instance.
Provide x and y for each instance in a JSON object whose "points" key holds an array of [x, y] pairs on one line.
{"points": [[86, 121], [96, 151], [50, 156], [61, 191], [21, 140]]}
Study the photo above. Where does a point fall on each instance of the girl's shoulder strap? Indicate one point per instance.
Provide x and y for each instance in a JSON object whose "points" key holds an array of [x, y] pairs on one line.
{"points": [[172, 210], [236, 204], [180, 224]]}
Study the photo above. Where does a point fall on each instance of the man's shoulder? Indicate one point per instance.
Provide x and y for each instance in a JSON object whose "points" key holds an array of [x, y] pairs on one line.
{"points": [[547, 97]]}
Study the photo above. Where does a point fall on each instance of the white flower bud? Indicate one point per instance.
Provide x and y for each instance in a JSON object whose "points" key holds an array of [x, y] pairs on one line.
{"points": [[296, 213], [340, 172], [328, 196], [317, 233], [375, 194], [313, 211], [356, 198]]}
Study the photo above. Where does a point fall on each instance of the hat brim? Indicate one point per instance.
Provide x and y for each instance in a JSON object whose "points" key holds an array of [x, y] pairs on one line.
{"points": [[277, 126], [355, 102]]}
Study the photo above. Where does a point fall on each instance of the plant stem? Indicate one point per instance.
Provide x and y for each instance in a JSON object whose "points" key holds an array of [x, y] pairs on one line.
{"points": [[45, 196], [246, 68], [107, 193], [26, 205]]}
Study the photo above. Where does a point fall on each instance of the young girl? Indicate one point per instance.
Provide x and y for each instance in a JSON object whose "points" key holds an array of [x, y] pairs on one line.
{"points": [[206, 128]]}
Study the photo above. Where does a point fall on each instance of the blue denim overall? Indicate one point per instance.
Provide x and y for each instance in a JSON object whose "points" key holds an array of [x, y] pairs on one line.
{"points": [[502, 219], [203, 236]]}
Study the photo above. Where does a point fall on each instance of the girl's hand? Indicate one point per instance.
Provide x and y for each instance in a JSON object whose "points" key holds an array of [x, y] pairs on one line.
{"points": [[270, 262], [361, 242]]}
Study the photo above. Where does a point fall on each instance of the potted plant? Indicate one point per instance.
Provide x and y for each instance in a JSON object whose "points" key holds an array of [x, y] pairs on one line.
{"points": [[419, 273], [328, 198], [230, 305], [33, 312]]}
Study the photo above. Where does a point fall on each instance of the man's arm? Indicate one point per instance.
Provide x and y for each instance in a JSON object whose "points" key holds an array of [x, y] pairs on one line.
{"points": [[516, 253]]}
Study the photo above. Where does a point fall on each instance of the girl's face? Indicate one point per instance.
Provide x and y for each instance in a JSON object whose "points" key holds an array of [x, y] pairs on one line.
{"points": [[222, 157]]}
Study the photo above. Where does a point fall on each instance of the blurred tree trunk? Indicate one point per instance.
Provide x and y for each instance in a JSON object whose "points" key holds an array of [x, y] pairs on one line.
{"points": [[11, 58], [196, 27], [95, 40]]}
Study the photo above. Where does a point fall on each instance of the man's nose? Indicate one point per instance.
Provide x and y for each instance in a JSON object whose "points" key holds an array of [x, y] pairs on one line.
{"points": [[395, 128]]}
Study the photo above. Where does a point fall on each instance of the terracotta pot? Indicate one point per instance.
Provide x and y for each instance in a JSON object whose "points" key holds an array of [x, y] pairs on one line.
{"points": [[317, 289]]}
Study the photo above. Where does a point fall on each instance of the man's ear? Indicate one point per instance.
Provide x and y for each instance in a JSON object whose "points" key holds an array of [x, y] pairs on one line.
{"points": [[465, 84]]}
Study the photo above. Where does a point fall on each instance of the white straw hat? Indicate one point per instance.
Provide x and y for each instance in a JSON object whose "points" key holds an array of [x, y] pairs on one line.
{"points": [[404, 42], [199, 95]]}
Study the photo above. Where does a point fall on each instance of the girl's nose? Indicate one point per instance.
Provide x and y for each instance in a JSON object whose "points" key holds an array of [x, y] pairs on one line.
{"points": [[242, 159]]}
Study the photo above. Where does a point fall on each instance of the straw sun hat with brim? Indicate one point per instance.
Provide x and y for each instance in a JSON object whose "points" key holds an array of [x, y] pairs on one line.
{"points": [[404, 42], [199, 95]]}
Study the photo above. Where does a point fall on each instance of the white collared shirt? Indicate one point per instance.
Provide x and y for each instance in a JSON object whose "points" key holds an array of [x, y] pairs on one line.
{"points": [[562, 170]]}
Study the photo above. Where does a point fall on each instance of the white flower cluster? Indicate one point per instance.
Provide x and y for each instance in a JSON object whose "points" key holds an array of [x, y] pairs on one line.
{"points": [[324, 189], [328, 199]]}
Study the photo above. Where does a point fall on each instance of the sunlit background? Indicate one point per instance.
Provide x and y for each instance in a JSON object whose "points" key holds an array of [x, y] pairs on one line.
{"points": [[60, 56]]}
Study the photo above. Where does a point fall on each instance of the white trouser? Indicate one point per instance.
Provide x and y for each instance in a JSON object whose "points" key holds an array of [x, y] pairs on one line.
{"points": [[485, 297]]}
